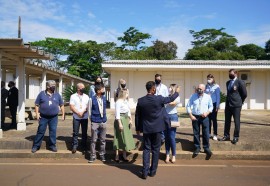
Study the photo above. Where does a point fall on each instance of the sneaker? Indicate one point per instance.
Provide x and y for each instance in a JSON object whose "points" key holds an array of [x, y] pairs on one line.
{"points": [[215, 138], [102, 158], [92, 159]]}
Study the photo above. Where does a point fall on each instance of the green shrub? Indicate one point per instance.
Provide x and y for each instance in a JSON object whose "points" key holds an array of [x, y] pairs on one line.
{"points": [[222, 97], [69, 90]]}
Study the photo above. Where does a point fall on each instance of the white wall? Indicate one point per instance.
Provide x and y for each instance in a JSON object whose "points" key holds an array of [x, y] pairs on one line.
{"points": [[258, 90]]}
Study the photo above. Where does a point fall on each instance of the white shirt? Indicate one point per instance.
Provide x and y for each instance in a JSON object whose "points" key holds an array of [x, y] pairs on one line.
{"points": [[80, 102], [162, 90], [121, 106]]}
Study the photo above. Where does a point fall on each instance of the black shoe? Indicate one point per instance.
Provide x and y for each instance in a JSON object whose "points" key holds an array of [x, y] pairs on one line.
{"points": [[152, 174], [143, 176], [234, 141], [225, 138], [34, 150], [196, 152], [102, 158], [92, 159], [208, 152], [74, 150], [54, 149]]}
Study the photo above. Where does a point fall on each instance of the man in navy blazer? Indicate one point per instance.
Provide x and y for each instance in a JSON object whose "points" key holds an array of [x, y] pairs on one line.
{"points": [[149, 120]]}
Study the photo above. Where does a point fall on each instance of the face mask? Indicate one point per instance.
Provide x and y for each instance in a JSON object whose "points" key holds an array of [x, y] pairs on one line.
{"points": [[82, 90], [9, 85], [97, 83], [102, 93], [123, 85], [52, 88], [157, 81], [231, 76], [210, 81], [200, 91]]}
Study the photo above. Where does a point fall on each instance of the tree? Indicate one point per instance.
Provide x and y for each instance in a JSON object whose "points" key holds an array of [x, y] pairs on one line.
{"points": [[57, 47], [164, 51], [84, 59], [133, 38], [252, 51], [267, 47], [213, 44]]}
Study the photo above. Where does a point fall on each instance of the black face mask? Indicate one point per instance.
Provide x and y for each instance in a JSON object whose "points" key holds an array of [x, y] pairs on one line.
{"points": [[231, 76], [82, 90], [200, 91], [97, 83], [123, 85], [157, 81], [52, 89], [102, 93]]}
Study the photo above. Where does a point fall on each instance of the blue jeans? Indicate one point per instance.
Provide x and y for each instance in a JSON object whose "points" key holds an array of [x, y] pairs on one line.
{"points": [[205, 132], [170, 136], [76, 128], [213, 118], [43, 122]]}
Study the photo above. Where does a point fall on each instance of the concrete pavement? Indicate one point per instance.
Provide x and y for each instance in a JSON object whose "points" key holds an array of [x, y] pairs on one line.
{"points": [[254, 139]]}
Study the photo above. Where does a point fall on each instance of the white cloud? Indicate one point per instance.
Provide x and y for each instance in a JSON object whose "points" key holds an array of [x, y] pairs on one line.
{"points": [[171, 4], [178, 34], [258, 36], [91, 15]]}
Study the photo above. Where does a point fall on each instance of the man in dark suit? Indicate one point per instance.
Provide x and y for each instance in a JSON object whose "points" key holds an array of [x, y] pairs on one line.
{"points": [[12, 101], [149, 119], [236, 95]]}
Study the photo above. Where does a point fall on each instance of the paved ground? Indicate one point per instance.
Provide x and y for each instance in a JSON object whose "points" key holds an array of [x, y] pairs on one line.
{"points": [[20, 172], [254, 137]]}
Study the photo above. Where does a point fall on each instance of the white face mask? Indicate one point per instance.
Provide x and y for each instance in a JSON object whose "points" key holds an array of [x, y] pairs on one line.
{"points": [[210, 81]]}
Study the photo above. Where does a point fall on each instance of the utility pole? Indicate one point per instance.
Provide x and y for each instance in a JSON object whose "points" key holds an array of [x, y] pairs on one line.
{"points": [[19, 27]]}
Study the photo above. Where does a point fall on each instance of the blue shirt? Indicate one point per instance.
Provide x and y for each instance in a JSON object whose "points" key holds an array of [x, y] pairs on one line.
{"points": [[197, 105], [49, 105], [214, 91]]}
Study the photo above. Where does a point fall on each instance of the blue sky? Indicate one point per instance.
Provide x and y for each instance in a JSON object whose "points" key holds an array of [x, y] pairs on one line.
{"points": [[105, 20]]}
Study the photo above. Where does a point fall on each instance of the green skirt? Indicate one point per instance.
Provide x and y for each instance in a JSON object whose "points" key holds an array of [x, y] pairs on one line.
{"points": [[123, 140]]}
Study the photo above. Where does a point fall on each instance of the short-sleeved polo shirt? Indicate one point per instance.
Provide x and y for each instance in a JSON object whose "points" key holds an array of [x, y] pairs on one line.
{"points": [[80, 103], [49, 104]]}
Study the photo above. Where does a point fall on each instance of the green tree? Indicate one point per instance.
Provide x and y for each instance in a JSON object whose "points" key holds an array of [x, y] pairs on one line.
{"points": [[133, 38], [163, 51], [57, 47], [84, 59], [252, 51], [213, 44]]}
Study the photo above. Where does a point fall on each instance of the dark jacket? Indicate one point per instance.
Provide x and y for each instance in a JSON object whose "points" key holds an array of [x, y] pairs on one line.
{"points": [[236, 94], [95, 113], [13, 97], [4, 95], [149, 116]]}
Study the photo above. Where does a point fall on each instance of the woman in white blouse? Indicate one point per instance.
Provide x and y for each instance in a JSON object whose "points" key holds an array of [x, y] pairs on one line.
{"points": [[123, 138]]}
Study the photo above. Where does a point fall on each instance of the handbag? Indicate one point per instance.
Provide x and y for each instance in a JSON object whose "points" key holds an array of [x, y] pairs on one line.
{"points": [[175, 124]]}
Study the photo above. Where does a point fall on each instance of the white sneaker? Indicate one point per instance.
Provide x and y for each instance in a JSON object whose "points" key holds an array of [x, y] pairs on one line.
{"points": [[215, 138]]}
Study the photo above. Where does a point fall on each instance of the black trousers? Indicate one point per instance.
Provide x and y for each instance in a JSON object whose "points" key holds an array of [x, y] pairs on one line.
{"points": [[151, 143], [229, 112], [13, 112], [213, 119]]}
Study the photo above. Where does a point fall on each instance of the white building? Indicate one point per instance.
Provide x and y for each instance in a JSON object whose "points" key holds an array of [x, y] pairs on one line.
{"points": [[188, 74]]}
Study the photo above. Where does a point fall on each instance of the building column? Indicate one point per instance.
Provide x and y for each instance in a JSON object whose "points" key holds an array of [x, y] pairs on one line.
{"points": [[21, 86], [27, 86], [60, 91], [43, 80], [72, 82], [130, 85], [187, 87], [267, 91], [3, 75], [1, 132]]}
